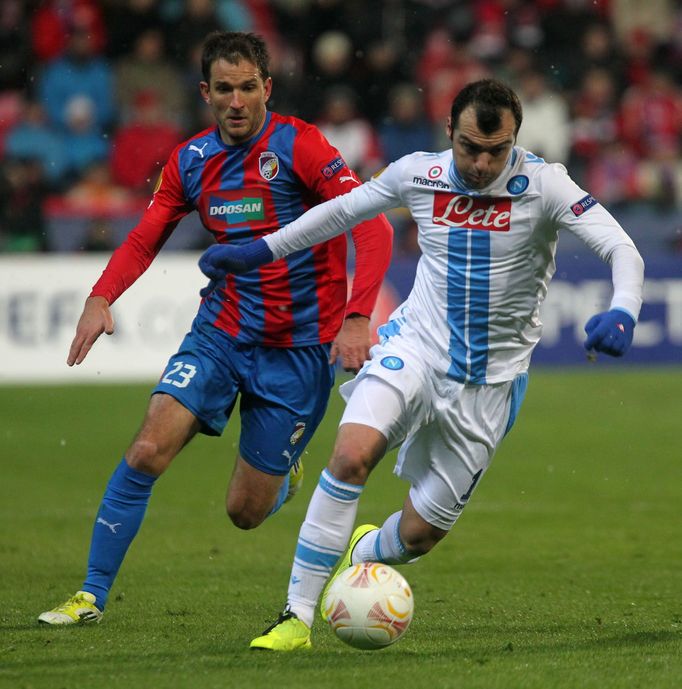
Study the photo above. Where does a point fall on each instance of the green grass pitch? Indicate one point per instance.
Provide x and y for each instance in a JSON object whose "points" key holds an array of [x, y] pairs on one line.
{"points": [[565, 570]]}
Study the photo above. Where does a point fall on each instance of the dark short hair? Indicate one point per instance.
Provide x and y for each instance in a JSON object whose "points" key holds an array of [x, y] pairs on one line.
{"points": [[488, 97], [234, 46]]}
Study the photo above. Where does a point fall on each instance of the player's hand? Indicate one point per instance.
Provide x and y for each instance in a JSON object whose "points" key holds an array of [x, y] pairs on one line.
{"points": [[215, 263], [95, 320], [352, 344], [221, 260], [610, 332]]}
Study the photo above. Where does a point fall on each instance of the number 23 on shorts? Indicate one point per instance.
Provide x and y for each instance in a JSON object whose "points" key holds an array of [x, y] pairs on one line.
{"points": [[180, 374]]}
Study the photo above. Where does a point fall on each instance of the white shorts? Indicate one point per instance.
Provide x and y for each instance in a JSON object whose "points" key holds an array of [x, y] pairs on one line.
{"points": [[449, 431]]}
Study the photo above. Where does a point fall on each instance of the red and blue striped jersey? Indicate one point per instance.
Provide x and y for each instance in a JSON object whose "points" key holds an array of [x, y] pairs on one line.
{"points": [[243, 192]]}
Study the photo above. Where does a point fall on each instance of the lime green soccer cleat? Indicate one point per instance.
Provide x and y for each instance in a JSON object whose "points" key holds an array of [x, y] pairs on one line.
{"points": [[345, 561], [295, 479], [79, 609], [287, 634]]}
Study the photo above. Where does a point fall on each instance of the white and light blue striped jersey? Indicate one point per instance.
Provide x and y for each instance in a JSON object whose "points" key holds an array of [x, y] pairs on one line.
{"points": [[488, 255]]}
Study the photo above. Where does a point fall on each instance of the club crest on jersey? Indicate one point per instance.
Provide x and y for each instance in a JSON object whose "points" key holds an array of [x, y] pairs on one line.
{"points": [[331, 168], [393, 363], [481, 213], [299, 430], [268, 165], [517, 184], [585, 203]]}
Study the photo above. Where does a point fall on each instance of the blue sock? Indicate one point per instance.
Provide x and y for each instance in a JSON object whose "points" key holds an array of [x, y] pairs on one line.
{"points": [[281, 496], [118, 520]]}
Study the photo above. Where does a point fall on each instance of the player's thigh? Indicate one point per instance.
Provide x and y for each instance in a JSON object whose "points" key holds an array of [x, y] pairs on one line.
{"points": [[389, 394], [445, 459], [166, 429], [282, 404], [203, 376], [379, 405]]}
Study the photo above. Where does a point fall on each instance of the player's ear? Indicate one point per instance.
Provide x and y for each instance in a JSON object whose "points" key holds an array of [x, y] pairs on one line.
{"points": [[205, 91], [267, 85], [448, 128]]}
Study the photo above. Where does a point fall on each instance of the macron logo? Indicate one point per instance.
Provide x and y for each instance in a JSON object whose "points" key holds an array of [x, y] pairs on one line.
{"points": [[200, 151], [106, 523]]}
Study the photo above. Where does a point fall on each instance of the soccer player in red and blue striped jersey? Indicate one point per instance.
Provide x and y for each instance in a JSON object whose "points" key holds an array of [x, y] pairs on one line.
{"points": [[270, 336]]}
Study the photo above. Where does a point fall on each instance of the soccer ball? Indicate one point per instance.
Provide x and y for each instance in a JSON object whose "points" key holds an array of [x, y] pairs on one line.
{"points": [[369, 606]]}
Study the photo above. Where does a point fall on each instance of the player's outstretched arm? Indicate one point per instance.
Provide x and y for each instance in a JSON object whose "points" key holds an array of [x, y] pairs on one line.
{"points": [[317, 224], [610, 332], [95, 320]]}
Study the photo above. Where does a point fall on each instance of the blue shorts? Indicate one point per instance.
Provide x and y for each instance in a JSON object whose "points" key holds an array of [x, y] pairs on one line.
{"points": [[284, 392]]}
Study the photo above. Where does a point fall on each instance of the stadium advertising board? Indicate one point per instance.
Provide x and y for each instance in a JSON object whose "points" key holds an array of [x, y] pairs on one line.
{"points": [[41, 299]]}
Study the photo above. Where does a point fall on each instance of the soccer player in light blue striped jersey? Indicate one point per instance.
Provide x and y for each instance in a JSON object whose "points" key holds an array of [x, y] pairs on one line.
{"points": [[448, 378]]}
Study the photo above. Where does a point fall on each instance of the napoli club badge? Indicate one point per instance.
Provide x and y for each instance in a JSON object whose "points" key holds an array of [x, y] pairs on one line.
{"points": [[268, 165], [517, 184], [393, 363]]}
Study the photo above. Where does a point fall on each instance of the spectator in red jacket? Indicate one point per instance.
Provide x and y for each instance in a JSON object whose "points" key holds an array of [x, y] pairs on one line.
{"points": [[141, 147]]}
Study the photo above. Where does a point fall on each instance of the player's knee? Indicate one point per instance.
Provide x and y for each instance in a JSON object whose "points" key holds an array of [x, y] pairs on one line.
{"points": [[243, 515], [243, 520], [143, 455], [350, 464]]}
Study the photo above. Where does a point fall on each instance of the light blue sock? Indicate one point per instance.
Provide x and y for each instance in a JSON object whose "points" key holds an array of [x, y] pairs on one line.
{"points": [[118, 520], [384, 545], [281, 496], [322, 539]]}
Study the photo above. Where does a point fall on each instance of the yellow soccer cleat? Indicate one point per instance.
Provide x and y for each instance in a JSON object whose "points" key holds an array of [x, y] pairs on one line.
{"points": [[79, 609], [295, 479], [287, 634], [345, 561]]}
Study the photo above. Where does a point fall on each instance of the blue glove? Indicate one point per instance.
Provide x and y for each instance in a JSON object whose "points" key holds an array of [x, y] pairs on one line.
{"points": [[221, 260], [610, 332]]}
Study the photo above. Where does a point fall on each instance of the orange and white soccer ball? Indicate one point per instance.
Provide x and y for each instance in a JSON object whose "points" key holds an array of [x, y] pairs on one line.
{"points": [[369, 606]]}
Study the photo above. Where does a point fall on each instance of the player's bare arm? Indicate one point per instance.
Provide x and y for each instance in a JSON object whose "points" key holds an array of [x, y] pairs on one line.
{"points": [[352, 343], [95, 320]]}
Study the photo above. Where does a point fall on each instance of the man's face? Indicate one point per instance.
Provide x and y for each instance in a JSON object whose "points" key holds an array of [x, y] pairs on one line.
{"points": [[480, 158], [237, 96]]}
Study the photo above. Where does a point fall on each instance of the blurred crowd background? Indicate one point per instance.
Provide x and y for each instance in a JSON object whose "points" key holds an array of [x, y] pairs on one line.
{"points": [[95, 94]]}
